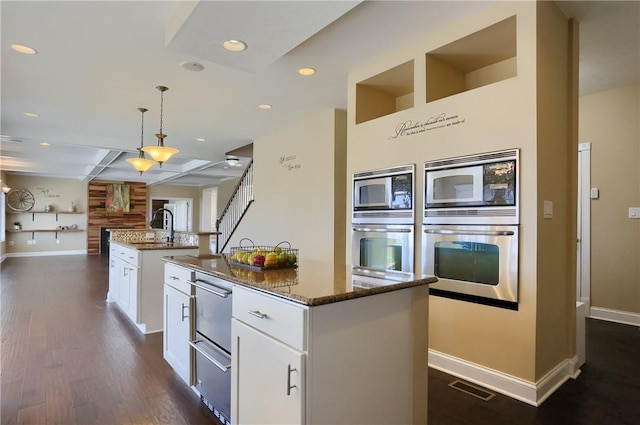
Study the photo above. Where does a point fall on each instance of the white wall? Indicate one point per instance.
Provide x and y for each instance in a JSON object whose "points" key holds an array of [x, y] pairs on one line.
{"points": [[294, 177]]}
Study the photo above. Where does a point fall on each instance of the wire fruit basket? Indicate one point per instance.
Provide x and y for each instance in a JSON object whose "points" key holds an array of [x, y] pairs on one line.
{"points": [[264, 257]]}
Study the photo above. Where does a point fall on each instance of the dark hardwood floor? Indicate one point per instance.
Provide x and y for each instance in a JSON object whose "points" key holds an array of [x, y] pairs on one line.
{"points": [[70, 358]]}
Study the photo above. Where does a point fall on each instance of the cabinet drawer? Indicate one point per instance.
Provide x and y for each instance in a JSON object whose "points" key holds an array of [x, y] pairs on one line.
{"points": [[178, 277], [130, 255], [275, 317]]}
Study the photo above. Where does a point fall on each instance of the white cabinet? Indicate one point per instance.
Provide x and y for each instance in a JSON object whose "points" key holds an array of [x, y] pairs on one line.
{"points": [[269, 379], [362, 360], [137, 284], [178, 307], [268, 337], [123, 284]]}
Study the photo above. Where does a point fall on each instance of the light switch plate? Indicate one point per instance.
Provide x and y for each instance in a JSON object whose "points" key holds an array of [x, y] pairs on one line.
{"points": [[634, 212], [548, 209]]}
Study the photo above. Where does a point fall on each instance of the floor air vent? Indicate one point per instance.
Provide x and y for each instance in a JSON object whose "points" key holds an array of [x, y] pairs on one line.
{"points": [[472, 390]]}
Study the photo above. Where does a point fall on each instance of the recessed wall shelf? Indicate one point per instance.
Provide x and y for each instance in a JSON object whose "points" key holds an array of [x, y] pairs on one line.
{"points": [[383, 94], [479, 59]]}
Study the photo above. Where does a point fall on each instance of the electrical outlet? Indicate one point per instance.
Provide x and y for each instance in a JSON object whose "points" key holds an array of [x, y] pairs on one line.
{"points": [[634, 212], [11, 243], [29, 242], [57, 241], [33, 241]]}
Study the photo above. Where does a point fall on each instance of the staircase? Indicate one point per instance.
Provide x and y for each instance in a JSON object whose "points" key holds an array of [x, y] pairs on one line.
{"points": [[236, 208]]}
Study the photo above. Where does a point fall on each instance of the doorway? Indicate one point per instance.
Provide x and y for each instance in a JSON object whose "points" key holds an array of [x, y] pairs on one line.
{"points": [[583, 263], [182, 209]]}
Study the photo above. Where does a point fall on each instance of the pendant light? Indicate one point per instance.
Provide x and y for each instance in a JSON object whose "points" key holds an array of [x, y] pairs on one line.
{"points": [[160, 153], [141, 163]]}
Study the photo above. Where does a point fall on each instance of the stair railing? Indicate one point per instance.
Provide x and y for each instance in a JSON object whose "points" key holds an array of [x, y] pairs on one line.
{"points": [[236, 208]]}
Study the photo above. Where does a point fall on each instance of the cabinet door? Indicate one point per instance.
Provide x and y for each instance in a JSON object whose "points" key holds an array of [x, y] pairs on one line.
{"points": [[267, 385], [124, 272], [134, 289], [114, 276], [176, 349]]}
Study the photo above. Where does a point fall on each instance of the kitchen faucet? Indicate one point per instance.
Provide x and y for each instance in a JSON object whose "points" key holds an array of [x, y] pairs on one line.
{"points": [[171, 231]]}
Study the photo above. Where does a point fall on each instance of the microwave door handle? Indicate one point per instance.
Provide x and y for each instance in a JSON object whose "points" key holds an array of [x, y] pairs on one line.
{"points": [[366, 229], [470, 232]]}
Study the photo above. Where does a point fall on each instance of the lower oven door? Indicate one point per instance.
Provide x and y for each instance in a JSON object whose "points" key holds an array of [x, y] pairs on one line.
{"points": [[382, 249], [473, 263], [213, 377]]}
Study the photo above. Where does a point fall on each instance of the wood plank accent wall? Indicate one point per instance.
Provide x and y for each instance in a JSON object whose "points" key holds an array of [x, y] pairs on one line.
{"points": [[98, 217]]}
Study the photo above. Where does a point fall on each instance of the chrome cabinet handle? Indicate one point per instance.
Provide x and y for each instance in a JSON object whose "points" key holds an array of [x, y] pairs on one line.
{"points": [[174, 278], [258, 314], [289, 386], [183, 316]]}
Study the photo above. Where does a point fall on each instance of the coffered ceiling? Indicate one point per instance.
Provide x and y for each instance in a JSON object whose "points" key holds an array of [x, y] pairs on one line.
{"points": [[97, 62]]}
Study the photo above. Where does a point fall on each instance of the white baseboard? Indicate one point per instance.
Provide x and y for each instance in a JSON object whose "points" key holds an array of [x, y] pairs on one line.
{"points": [[618, 316], [46, 253], [533, 393]]}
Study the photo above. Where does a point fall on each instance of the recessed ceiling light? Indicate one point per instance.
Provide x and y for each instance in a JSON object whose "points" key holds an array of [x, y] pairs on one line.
{"points": [[20, 48], [265, 106], [234, 45], [306, 71], [192, 66], [45, 144], [200, 139], [31, 114]]}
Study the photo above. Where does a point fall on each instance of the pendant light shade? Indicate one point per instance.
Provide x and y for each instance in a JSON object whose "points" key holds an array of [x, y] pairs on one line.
{"points": [[161, 153], [141, 163]]}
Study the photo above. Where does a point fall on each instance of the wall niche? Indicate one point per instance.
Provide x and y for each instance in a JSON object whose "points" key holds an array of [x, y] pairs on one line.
{"points": [[479, 59], [386, 93]]}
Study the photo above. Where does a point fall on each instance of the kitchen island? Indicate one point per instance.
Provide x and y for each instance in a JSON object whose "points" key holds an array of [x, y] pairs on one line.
{"points": [[318, 344], [135, 280]]}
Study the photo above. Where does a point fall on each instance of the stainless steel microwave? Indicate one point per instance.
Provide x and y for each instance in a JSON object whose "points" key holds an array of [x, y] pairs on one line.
{"points": [[475, 189], [384, 195]]}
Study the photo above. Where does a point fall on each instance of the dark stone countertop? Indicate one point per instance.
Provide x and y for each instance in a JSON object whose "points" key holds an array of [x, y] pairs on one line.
{"points": [[312, 283]]}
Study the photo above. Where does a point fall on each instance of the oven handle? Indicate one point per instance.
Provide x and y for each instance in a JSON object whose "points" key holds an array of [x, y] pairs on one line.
{"points": [[208, 357], [368, 229], [224, 293], [470, 232]]}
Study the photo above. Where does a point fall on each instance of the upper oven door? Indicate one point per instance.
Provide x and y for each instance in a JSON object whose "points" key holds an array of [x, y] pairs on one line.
{"points": [[454, 187], [474, 260], [382, 249]]}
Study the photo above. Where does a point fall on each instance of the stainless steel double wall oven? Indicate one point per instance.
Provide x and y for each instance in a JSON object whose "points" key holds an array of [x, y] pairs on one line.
{"points": [[471, 226], [382, 234]]}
